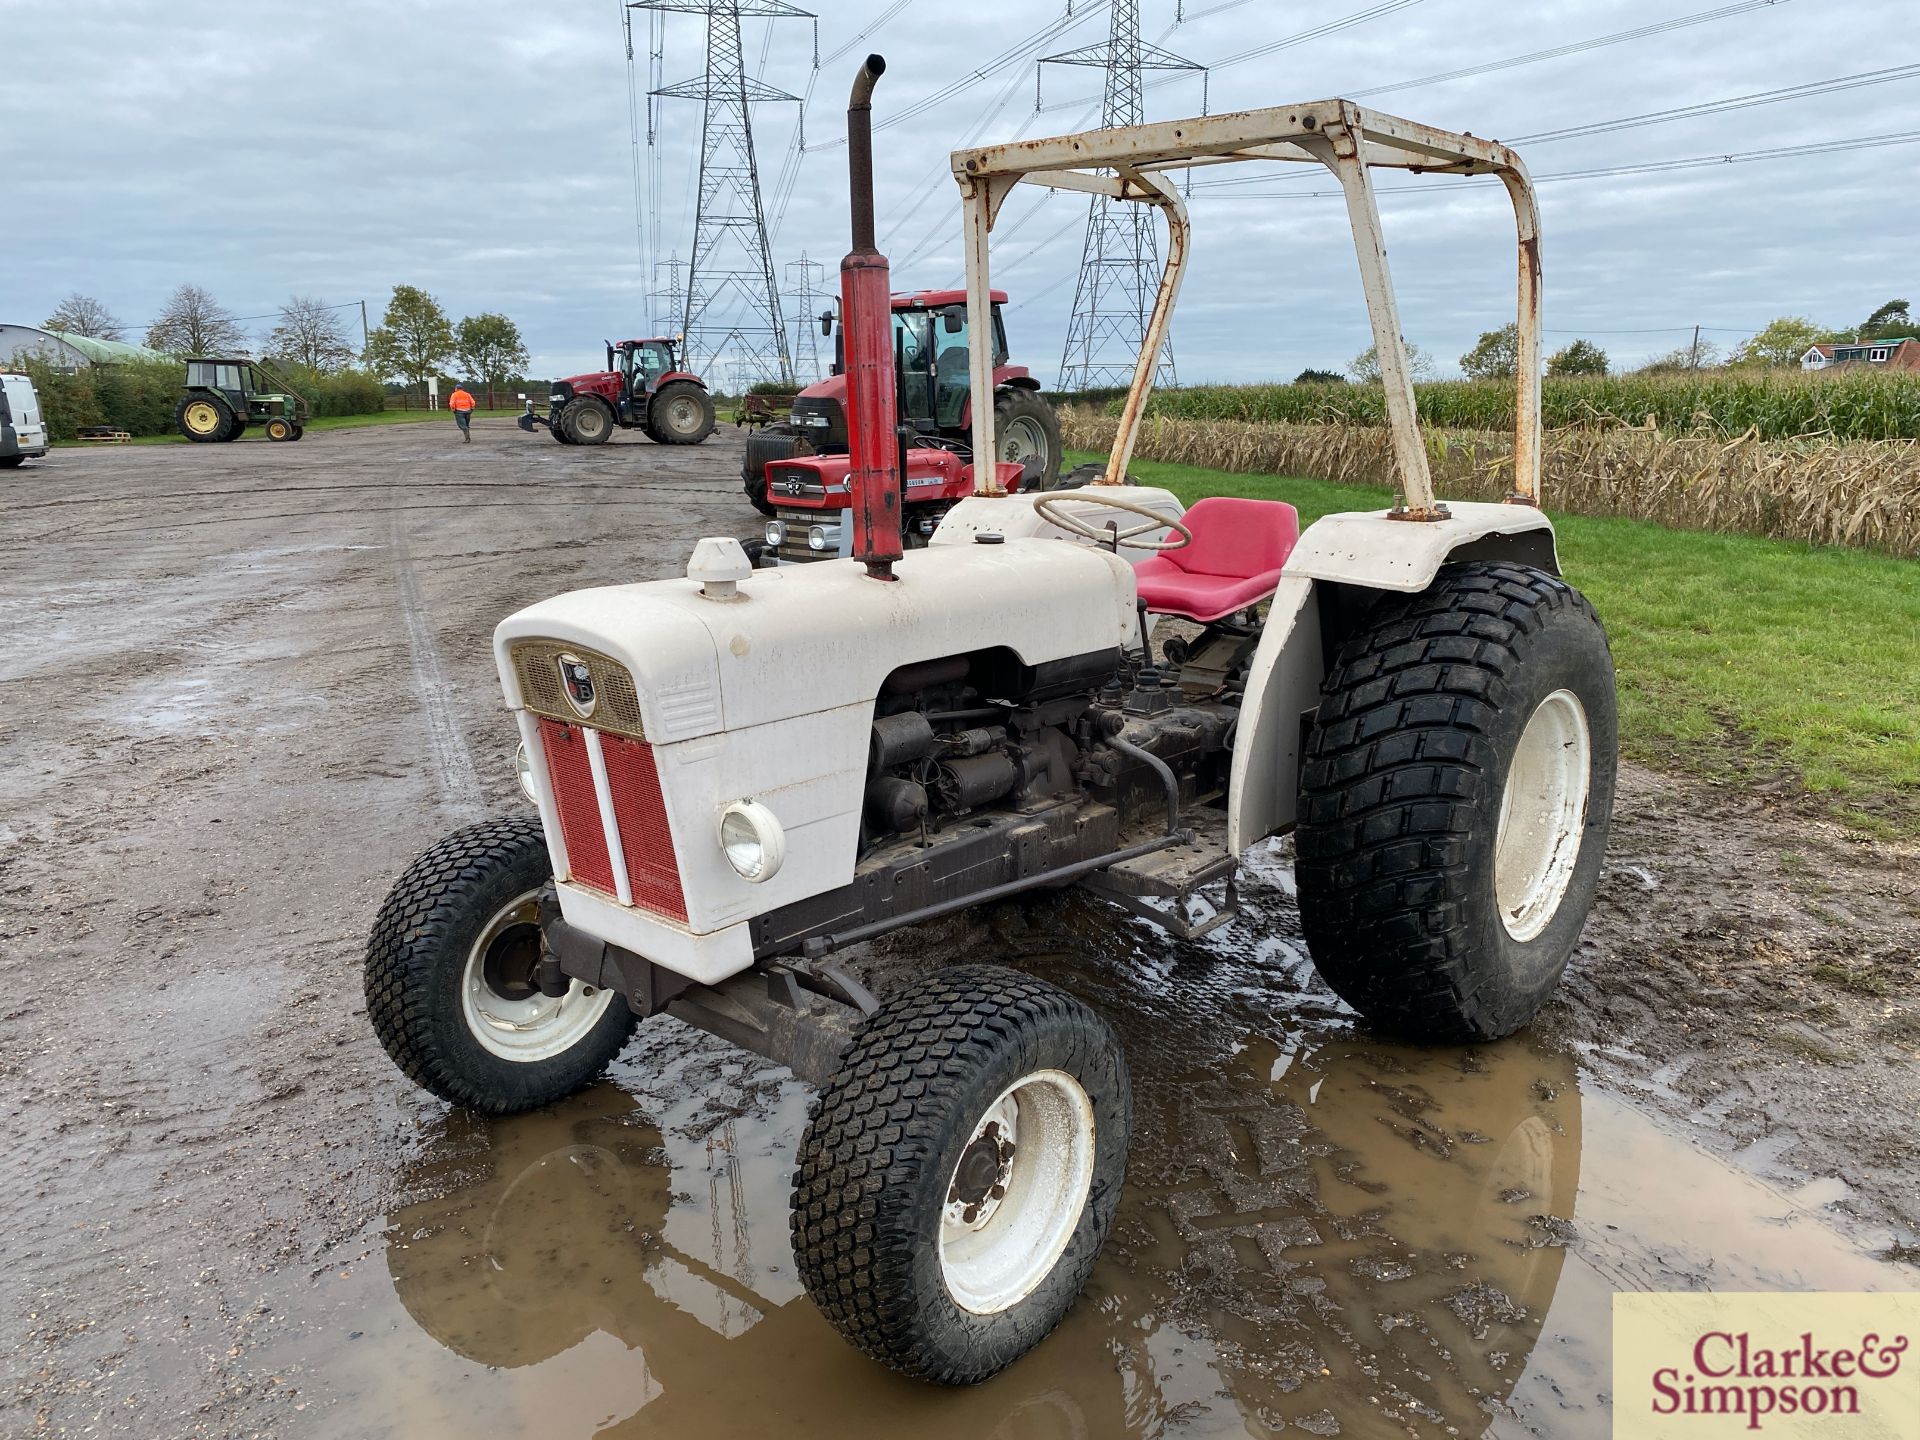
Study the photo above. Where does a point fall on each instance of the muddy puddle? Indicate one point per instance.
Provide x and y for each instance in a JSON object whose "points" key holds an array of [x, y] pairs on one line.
{"points": [[1323, 1234]]}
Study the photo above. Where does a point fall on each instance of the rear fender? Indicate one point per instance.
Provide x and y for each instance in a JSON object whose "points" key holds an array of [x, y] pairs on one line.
{"points": [[1341, 565], [673, 375]]}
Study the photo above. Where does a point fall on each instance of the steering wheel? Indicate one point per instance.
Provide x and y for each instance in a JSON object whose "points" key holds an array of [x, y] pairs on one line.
{"points": [[1044, 506]]}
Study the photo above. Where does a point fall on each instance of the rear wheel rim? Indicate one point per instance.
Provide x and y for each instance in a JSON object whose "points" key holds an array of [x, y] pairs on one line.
{"points": [[682, 416], [202, 418], [1543, 815], [1017, 1192], [500, 998], [1022, 437]]}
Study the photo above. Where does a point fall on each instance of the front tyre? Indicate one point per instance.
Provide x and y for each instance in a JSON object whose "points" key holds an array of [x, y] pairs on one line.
{"points": [[1026, 429], [680, 413], [1455, 802], [452, 978], [960, 1172], [588, 422]]}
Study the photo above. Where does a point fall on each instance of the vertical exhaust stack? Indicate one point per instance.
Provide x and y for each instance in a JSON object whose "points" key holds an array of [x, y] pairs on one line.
{"points": [[866, 305]]}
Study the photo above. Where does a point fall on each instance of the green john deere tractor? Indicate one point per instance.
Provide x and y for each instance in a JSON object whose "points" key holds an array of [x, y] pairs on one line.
{"points": [[223, 397]]}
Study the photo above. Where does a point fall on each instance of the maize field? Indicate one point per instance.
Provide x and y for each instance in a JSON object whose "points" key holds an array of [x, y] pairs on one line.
{"points": [[1828, 492], [1772, 405]]}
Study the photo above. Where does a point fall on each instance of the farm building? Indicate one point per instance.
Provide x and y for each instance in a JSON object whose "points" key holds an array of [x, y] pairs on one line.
{"points": [[1902, 353], [66, 351]]}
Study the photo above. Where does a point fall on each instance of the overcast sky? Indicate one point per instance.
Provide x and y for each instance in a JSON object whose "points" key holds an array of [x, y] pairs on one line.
{"points": [[482, 151]]}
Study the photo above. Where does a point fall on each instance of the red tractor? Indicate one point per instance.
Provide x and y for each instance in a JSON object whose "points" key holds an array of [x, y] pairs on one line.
{"points": [[639, 390], [930, 336]]}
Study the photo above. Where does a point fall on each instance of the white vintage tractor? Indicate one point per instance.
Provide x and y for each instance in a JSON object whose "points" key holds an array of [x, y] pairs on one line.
{"points": [[742, 772]]}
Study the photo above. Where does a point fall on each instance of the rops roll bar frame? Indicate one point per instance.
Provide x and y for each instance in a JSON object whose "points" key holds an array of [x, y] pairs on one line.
{"points": [[1129, 163]]}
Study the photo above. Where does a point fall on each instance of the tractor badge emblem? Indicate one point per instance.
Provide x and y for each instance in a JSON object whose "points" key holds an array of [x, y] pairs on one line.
{"points": [[577, 681]]}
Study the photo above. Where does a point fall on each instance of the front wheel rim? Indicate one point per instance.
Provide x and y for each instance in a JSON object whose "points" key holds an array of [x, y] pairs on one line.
{"points": [[1543, 814], [1017, 1192], [505, 1012]]}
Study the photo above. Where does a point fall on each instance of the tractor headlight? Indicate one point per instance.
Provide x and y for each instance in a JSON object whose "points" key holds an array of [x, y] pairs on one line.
{"points": [[776, 532], [817, 537], [754, 842], [523, 771]]}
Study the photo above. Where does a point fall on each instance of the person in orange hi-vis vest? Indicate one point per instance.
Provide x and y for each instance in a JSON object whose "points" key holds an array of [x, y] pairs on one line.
{"points": [[461, 403]]}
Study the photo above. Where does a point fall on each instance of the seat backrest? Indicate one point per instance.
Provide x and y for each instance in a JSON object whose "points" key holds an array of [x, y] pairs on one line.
{"points": [[1237, 537]]}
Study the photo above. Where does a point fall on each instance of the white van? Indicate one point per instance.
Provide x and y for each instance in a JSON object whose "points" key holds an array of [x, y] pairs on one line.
{"points": [[23, 431]]}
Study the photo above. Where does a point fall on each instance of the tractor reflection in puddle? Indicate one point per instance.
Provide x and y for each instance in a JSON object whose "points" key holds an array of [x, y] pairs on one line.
{"points": [[1322, 1230]]}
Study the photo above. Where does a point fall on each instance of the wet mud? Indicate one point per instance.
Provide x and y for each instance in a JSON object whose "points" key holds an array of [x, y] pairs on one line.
{"points": [[242, 688]]}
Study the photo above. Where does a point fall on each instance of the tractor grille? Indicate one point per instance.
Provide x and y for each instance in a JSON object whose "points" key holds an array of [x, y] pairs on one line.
{"points": [[652, 873], [618, 707]]}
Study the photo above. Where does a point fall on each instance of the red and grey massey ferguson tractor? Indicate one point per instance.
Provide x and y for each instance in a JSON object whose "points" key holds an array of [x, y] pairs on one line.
{"points": [[639, 390], [740, 773], [931, 339]]}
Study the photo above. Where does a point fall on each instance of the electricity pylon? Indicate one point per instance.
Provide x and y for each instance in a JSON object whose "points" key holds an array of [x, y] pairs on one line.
{"points": [[1120, 262], [732, 302]]}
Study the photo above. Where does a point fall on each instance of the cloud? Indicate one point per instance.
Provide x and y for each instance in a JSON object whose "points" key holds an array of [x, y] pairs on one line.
{"points": [[482, 151]]}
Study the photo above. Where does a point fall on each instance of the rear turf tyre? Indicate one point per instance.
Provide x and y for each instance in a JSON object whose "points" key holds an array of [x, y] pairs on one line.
{"points": [[1455, 801], [1025, 428], [450, 978], [680, 414], [279, 429], [983, 1080], [202, 418], [236, 429], [588, 422]]}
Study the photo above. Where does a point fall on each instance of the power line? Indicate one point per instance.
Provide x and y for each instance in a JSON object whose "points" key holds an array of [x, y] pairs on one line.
{"points": [[1660, 117], [1660, 27], [874, 24], [1716, 107], [1742, 157], [1012, 55]]}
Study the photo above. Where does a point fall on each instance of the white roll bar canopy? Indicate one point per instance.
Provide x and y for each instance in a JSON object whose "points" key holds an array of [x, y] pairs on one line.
{"points": [[1127, 163]]}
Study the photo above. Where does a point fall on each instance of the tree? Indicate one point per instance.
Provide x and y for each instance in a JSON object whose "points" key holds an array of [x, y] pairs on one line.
{"points": [[490, 349], [1703, 356], [310, 334], [1582, 357], [1783, 342], [1494, 355], [1890, 321], [414, 338], [1319, 377], [83, 315], [1365, 367], [192, 322]]}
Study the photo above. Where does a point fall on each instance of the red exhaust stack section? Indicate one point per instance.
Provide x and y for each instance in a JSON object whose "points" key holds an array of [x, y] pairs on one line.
{"points": [[867, 309]]}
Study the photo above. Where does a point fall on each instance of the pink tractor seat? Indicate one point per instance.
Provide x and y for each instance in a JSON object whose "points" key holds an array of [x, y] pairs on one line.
{"points": [[1234, 561]]}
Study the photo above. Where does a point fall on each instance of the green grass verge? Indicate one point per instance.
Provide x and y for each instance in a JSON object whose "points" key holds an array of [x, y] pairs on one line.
{"points": [[1738, 658], [324, 422]]}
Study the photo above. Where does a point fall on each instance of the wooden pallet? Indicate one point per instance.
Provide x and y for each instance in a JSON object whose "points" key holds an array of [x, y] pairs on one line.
{"points": [[111, 437]]}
